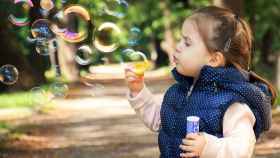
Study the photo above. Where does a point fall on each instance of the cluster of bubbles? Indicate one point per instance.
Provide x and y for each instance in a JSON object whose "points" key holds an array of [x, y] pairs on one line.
{"points": [[8, 74], [105, 40]]}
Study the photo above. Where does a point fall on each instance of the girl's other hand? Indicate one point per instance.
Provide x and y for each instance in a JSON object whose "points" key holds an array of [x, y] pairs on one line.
{"points": [[193, 145], [134, 82]]}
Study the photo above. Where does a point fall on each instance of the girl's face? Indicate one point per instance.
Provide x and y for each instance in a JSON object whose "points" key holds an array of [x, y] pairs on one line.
{"points": [[191, 53]]}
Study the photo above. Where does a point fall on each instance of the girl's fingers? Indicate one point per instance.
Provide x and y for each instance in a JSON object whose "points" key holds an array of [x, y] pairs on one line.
{"points": [[188, 142], [186, 148], [131, 76], [188, 155], [192, 136]]}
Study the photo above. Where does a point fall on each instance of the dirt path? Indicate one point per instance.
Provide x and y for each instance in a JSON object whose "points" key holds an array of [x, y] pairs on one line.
{"points": [[97, 127]]}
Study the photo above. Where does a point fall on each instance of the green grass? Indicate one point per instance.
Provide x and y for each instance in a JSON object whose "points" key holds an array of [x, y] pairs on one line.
{"points": [[21, 99], [26, 99], [277, 102], [16, 100], [4, 125]]}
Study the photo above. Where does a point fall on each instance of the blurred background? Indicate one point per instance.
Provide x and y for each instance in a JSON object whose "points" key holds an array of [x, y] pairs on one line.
{"points": [[62, 88]]}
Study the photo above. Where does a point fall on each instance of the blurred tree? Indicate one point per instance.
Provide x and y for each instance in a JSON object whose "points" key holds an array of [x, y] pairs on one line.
{"points": [[14, 51]]}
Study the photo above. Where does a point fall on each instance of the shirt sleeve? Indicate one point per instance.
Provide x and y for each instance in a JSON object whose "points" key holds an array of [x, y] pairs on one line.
{"points": [[147, 107], [239, 137]]}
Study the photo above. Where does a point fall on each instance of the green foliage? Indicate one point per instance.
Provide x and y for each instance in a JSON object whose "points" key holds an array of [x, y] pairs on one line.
{"points": [[147, 15], [267, 16], [26, 99]]}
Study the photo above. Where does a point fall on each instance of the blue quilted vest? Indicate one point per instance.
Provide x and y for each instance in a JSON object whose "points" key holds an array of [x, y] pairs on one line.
{"points": [[209, 97]]}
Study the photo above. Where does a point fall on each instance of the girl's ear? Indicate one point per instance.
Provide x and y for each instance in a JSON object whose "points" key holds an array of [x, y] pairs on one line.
{"points": [[216, 59]]}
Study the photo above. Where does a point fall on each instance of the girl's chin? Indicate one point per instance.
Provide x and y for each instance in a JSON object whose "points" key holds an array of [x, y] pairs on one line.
{"points": [[182, 72]]}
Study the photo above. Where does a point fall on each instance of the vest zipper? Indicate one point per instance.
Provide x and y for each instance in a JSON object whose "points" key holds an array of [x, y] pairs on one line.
{"points": [[190, 90]]}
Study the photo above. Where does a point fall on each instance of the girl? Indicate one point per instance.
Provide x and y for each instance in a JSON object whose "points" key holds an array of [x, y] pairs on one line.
{"points": [[214, 83]]}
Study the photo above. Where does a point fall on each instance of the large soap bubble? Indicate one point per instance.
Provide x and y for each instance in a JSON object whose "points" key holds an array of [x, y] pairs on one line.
{"points": [[107, 37], [75, 34]]}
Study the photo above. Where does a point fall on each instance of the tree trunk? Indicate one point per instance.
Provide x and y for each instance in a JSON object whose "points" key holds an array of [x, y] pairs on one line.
{"points": [[11, 54], [66, 60]]}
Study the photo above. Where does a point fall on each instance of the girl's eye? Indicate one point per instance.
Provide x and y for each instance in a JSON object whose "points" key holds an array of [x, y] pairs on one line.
{"points": [[187, 44]]}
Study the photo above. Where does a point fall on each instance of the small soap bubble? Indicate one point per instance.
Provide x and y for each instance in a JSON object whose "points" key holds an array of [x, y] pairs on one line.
{"points": [[42, 47], [41, 29], [82, 20], [84, 55], [107, 37], [116, 8], [134, 36], [40, 96], [47, 4], [8, 74], [59, 89]]}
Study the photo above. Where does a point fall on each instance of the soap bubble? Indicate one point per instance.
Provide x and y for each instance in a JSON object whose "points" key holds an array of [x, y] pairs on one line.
{"points": [[84, 55], [82, 19], [21, 8], [134, 36], [8, 74], [41, 29], [116, 8], [42, 47], [47, 4], [107, 37], [43, 37], [59, 89], [58, 23], [40, 96], [77, 9], [137, 59], [45, 47]]}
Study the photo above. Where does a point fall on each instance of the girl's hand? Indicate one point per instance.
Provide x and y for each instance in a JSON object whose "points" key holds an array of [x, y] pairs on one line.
{"points": [[193, 145], [135, 82]]}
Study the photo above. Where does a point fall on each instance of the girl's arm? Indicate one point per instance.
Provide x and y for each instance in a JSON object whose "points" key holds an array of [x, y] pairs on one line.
{"points": [[147, 107], [239, 138]]}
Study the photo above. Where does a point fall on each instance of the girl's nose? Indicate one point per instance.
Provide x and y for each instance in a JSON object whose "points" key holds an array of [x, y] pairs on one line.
{"points": [[177, 49]]}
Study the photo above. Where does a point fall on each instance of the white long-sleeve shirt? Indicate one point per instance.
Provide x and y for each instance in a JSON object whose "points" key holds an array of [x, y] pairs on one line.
{"points": [[238, 122]]}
